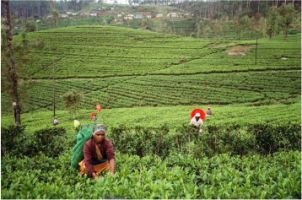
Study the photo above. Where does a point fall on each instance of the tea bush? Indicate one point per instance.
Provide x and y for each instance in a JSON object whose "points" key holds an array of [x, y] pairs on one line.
{"points": [[272, 138], [50, 141], [234, 139], [11, 138], [177, 176], [223, 162]]}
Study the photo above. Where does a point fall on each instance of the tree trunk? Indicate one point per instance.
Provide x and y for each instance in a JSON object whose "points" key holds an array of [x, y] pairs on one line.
{"points": [[11, 64]]}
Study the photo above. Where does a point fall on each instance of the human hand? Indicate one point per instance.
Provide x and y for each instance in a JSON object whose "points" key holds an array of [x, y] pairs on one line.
{"points": [[93, 175]]}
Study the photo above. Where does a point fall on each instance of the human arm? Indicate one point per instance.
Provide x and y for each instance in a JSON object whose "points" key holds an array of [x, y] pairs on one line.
{"points": [[112, 166], [192, 121], [111, 156], [88, 159]]}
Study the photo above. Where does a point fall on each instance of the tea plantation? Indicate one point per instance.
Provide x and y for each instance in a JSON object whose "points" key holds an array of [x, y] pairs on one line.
{"points": [[148, 83], [122, 67]]}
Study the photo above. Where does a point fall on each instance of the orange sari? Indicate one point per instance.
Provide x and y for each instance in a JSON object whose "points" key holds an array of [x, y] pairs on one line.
{"points": [[99, 168]]}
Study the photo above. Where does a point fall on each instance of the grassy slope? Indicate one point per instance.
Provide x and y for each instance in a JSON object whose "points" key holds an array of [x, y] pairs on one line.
{"points": [[273, 86], [172, 116], [142, 68]]}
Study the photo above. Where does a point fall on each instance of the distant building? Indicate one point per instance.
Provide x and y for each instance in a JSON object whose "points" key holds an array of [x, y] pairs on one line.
{"points": [[64, 16], [84, 14], [187, 15], [159, 15], [172, 15], [71, 13], [138, 16], [129, 17], [94, 14], [148, 15], [116, 2]]}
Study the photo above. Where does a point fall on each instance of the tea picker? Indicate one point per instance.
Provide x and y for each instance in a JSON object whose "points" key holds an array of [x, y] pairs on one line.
{"points": [[197, 119], [93, 153]]}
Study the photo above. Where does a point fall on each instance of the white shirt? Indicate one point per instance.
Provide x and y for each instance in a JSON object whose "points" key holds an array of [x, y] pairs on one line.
{"points": [[196, 123]]}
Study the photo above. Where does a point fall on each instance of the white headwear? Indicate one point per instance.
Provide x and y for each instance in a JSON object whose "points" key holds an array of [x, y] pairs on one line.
{"points": [[99, 128]]}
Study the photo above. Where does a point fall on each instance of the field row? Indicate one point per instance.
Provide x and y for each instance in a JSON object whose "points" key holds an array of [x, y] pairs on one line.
{"points": [[96, 53], [245, 87]]}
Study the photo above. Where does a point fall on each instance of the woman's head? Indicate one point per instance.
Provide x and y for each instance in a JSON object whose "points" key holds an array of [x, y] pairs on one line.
{"points": [[99, 133], [197, 116]]}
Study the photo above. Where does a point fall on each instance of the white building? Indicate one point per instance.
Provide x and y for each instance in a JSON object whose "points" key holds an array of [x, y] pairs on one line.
{"points": [[172, 15], [63, 15], [125, 2], [93, 14], [129, 17], [138, 16], [159, 15]]}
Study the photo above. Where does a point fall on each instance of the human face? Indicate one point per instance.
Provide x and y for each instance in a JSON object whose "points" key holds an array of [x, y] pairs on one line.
{"points": [[99, 136]]}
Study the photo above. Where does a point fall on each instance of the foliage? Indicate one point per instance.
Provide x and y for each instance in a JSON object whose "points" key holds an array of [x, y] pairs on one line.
{"points": [[273, 22], [178, 176], [287, 13], [11, 138], [225, 161], [30, 26], [172, 116], [52, 142], [72, 101], [233, 139], [241, 24], [270, 139], [134, 68]]}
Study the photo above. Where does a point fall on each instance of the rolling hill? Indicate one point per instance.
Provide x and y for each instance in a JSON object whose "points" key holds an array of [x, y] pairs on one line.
{"points": [[122, 67]]}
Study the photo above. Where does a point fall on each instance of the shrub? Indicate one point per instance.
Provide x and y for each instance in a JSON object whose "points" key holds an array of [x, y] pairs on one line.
{"points": [[11, 139], [30, 26], [262, 138], [50, 141], [271, 138]]}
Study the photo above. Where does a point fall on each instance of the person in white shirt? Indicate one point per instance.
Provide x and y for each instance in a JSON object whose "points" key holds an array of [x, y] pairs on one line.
{"points": [[197, 122]]}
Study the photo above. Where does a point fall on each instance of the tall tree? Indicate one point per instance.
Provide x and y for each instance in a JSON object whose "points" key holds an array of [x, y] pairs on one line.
{"points": [[272, 22], [13, 79], [287, 13]]}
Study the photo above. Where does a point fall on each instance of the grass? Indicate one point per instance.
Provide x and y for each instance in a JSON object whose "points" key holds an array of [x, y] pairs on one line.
{"points": [[122, 67], [173, 116], [150, 80]]}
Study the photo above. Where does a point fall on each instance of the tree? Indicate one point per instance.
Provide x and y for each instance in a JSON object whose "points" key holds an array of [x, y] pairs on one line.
{"points": [[30, 26], [72, 101], [287, 14], [242, 24], [272, 22], [9, 54], [217, 28], [54, 14]]}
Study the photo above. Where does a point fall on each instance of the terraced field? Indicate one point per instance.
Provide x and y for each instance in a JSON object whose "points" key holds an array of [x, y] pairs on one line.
{"points": [[123, 67], [249, 147], [172, 116]]}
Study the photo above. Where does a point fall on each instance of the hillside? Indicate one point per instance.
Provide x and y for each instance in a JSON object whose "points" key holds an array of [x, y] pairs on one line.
{"points": [[173, 116], [122, 67], [148, 83]]}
